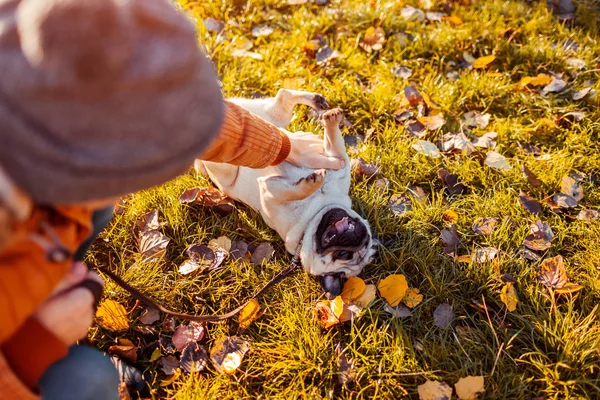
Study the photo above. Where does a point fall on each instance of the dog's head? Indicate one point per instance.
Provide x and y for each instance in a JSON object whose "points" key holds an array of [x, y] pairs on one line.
{"points": [[337, 244]]}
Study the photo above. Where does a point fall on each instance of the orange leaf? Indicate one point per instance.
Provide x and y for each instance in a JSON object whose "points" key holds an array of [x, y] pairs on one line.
{"points": [[509, 297], [453, 19], [393, 288], [112, 316], [353, 289], [569, 288], [483, 62], [412, 298], [250, 313]]}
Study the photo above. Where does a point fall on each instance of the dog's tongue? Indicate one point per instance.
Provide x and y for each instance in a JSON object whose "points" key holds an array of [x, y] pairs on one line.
{"points": [[342, 225]]}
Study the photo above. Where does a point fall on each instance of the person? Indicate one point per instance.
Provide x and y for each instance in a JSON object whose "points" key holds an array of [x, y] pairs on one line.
{"points": [[97, 99]]}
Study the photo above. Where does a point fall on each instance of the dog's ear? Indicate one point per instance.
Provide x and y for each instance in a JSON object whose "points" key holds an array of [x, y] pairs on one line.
{"points": [[15, 206]]}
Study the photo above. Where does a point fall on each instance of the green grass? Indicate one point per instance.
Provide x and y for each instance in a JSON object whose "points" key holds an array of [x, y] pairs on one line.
{"points": [[549, 347]]}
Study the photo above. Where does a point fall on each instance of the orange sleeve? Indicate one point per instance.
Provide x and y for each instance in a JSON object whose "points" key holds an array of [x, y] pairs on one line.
{"points": [[247, 140]]}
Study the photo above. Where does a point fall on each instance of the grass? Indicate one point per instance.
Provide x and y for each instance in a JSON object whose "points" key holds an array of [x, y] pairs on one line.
{"points": [[548, 348]]}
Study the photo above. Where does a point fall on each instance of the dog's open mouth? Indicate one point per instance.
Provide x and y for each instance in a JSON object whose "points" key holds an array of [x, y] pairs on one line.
{"points": [[337, 228], [339, 232]]}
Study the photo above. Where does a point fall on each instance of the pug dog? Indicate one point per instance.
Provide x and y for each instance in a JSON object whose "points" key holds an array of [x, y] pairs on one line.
{"points": [[309, 208]]}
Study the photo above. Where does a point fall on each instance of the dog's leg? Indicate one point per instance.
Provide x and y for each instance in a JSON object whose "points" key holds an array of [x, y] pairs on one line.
{"points": [[281, 109], [334, 142], [279, 189]]}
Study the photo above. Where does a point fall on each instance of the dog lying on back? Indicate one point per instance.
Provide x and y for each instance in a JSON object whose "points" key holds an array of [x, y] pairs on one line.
{"points": [[308, 208]]}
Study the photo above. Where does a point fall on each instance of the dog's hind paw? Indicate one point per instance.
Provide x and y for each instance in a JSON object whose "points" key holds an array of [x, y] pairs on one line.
{"points": [[333, 118], [315, 179]]}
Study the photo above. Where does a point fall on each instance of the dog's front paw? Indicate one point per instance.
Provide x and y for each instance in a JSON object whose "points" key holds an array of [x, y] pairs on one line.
{"points": [[333, 118], [316, 178], [319, 102]]}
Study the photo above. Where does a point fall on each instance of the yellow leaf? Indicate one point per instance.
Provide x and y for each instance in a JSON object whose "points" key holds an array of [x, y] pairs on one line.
{"points": [[337, 306], [171, 378], [393, 288], [541, 80], [324, 315], [509, 297], [353, 288], [412, 298], [112, 316], [467, 388], [464, 259], [451, 216], [367, 296], [222, 242], [569, 288], [155, 355], [483, 62], [453, 19], [250, 313], [432, 390], [553, 273]]}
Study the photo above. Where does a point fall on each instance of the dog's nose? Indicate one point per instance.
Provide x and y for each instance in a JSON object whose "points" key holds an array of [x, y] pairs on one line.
{"points": [[332, 284]]}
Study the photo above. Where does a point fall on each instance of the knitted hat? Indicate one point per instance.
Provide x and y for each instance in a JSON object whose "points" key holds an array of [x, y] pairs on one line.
{"points": [[99, 98]]}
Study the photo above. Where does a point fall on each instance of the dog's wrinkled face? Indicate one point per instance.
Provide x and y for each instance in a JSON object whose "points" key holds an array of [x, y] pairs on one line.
{"points": [[342, 246]]}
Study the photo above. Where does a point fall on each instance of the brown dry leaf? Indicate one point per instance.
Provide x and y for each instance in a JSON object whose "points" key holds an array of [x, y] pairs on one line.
{"points": [[540, 238], [193, 358], [367, 296], [353, 289], [169, 364], [469, 387], [326, 54], [450, 239], [412, 298], [475, 119], [427, 148], [432, 122], [153, 245], [497, 161], [125, 349], [400, 311], [337, 306], [399, 204], [528, 254], [184, 334], [149, 222], [227, 354], [239, 250], [588, 215], [464, 258], [509, 296], [486, 141], [393, 288], [556, 85], [263, 253], [363, 170], [453, 19], [553, 273], [484, 254], [264, 30], [373, 39], [349, 312], [150, 316], [456, 141], [202, 256], [209, 197], [222, 242], [250, 313], [416, 128], [415, 99], [400, 71], [484, 225], [529, 203], [443, 315], [451, 182], [346, 367], [112, 315], [325, 315], [530, 176], [484, 61], [564, 200], [569, 288], [434, 390], [418, 193], [570, 186]]}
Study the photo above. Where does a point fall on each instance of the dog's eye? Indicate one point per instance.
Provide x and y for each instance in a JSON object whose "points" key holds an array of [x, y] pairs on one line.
{"points": [[343, 255]]}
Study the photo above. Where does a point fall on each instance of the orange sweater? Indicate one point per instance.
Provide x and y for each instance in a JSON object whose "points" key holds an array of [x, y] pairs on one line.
{"points": [[27, 277]]}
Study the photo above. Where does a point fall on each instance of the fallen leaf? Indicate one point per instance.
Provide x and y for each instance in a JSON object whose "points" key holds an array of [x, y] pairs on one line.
{"points": [[486, 141], [432, 122], [346, 367], [451, 182], [169, 380], [427, 148], [212, 25], [588, 215], [250, 313], [194, 358], [569, 288], [580, 94], [168, 364], [467, 388], [325, 315], [484, 254], [540, 238], [412, 14], [576, 63], [564, 200], [453, 19], [353, 289], [149, 222], [484, 61], [208, 197], [450, 239], [227, 353], [399, 204], [222, 242], [400, 311], [529, 255], [363, 170], [497, 161], [349, 312], [556, 85], [112, 315], [529, 203], [400, 71], [150, 316], [434, 390], [412, 298], [509, 297], [184, 334], [326, 54], [153, 245], [382, 183], [459, 141], [239, 250], [530, 176], [450, 216], [539, 80], [337, 306], [418, 193], [475, 119], [484, 225], [367, 296], [570, 187], [553, 273], [435, 16], [416, 128], [263, 253], [202, 256], [530, 149], [508, 278], [443, 315], [373, 39], [127, 351], [156, 354], [393, 288], [264, 30]]}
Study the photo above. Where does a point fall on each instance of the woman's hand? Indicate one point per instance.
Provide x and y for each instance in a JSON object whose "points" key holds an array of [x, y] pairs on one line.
{"points": [[69, 313], [307, 151]]}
